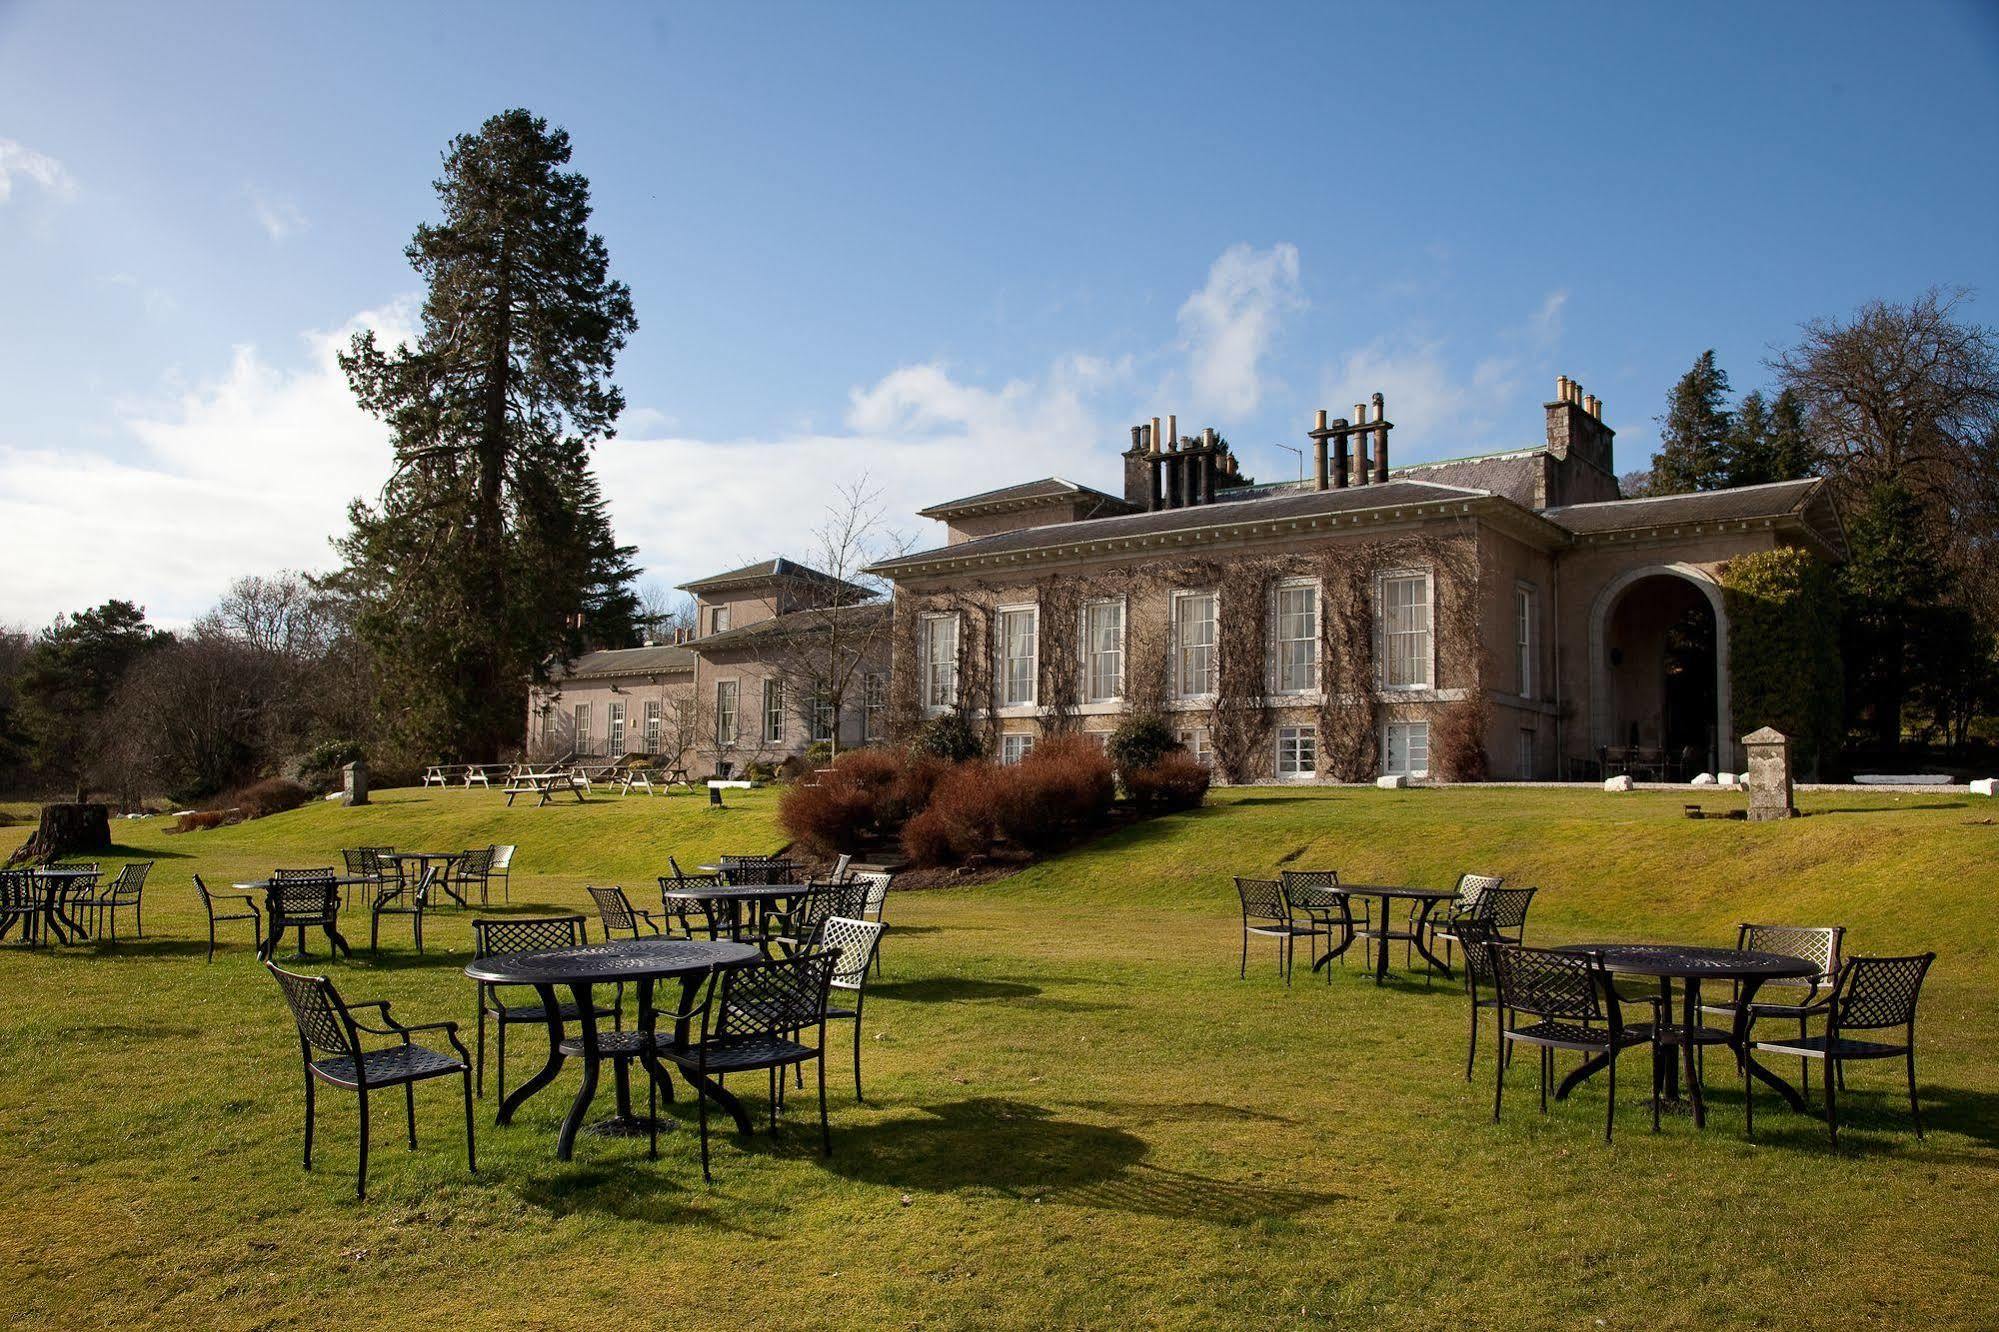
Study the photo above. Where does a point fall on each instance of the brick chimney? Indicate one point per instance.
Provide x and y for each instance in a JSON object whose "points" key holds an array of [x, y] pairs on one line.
{"points": [[1576, 428]]}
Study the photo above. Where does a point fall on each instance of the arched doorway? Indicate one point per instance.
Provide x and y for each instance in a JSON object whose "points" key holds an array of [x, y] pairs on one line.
{"points": [[1659, 655]]}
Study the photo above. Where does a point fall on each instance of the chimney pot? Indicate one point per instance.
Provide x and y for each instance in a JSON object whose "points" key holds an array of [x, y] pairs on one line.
{"points": [[1137, 433], [1380, 439], [1319, 451], [1153, 435], [1340, 479], [1173, 432]]}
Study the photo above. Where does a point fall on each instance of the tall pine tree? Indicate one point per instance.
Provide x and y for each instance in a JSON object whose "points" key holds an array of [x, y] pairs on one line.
{"points": [[490, 551], [1693, 431], [1767, 441]]}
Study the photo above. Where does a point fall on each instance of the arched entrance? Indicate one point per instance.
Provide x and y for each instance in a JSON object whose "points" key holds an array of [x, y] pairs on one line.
{"points": [[1659, 662]]}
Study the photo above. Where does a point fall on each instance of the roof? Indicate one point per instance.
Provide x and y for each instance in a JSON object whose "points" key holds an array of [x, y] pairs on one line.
{"points": [[661, 659], [1391, 494], [859, 616], [1026, 494], [1806, 502], [764, 571]]}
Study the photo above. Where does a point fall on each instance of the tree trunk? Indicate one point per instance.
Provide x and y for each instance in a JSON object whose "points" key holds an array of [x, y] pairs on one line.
{"points": [[65, 830]]}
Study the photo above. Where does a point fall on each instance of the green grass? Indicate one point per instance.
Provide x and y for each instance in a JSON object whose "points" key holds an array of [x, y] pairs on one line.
{"points": [[1078, 1115]]}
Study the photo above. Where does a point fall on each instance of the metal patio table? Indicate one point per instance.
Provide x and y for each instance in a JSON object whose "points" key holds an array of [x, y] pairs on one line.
{"points": [[640, 962], [1425, 899], [423, 859], [334, 938], [54, 880], [732, 897], [1690, 964]]}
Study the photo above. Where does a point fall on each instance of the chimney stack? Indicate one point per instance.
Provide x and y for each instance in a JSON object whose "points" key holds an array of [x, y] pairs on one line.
{"points": [[1576, 428], [1319, 449]]}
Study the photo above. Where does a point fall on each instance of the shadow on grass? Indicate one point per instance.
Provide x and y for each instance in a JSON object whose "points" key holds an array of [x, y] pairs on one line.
{"points": [[966, 989], [1028, 1152], [1885, 809], [129, 950], [629, 1190]]}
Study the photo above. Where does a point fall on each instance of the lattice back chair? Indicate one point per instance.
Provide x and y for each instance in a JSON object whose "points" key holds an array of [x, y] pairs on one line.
{"points": [[841, 864], [798, 925], [234, 906], [878, 882], [473, 869], [398, 901], [1312, 891], [126, 892], [524, 934], [20, 904], [77, 893], [1480, 942], [1506, 912], [1467, 903], [854, 942], [1871, 994], [1266, 913], [758, 869], [502, 867], [1819, 945], [758, 1017], [301, 899], [1574, 1007], [330, 1047], [617, 914], [684, 918]]}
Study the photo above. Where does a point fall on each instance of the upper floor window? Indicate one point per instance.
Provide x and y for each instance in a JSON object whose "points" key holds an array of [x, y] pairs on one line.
{"points": [[938, 648], [718, 619], [725, 712], [1103, 651], [1018, 656], [1295, 639], [1525, 645], [1194, 643], [773, 712], [1406, 638]]}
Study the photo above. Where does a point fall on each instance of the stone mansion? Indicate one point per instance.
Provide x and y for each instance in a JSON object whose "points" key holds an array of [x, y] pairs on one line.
{"points": [[1508, 616]]}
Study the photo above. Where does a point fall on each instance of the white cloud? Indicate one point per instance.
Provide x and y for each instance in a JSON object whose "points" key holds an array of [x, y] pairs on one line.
{"points": [[18, 160], [248, 473], [1229, 324], [278, 215]]}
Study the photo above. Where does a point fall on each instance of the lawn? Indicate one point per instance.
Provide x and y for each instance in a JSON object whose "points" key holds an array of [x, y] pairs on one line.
{"points": [[1078, 1115]]}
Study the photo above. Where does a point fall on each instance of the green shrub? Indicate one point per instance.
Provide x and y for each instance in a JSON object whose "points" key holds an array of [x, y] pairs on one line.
{"points": [[1783, 650], [1139, 742], [322, 763], [951, 737]]}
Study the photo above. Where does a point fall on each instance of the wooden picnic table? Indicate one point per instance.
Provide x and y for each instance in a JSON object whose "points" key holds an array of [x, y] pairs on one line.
{"points": [[545, 784]]}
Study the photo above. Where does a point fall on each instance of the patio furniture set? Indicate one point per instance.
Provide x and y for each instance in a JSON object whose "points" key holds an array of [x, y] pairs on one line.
{"points": [[1599, 1000], [71, 903], [758, 950]]}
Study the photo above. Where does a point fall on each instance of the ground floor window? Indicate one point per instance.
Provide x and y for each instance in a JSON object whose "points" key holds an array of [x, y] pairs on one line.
{"points": [[1197, 743], [725, 712], [825, 719], [1526, 755], [1405, 749], [1297, 751], [1014, 748], [617, 745], [874, 705], [773, 712], [652, 726], [581, 735]]}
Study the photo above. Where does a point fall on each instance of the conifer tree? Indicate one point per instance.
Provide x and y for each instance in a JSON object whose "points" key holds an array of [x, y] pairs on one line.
{"points": [[1693, 430]]}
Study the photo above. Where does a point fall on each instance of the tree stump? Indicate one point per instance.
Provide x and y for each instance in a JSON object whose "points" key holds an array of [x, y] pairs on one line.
{"points": [[66, 830]]}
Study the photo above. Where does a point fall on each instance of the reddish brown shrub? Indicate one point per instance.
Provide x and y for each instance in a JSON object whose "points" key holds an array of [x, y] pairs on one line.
{"points": [[1077, 773], [873, 770], [959, 822], [1177, 781], [925, 841], [273, 795], [827, 816], [909, 793], [196, 819]]}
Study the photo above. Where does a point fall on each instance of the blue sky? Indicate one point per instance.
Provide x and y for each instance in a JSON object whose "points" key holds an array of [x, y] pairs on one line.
{"points": [[948, 246]]}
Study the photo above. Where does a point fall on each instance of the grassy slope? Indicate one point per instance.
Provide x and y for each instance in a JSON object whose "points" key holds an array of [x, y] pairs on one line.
{"points": [[1090, 1119]]}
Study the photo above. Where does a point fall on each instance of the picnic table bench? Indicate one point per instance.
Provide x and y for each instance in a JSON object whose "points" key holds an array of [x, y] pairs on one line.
{"points": [[545, 785]]}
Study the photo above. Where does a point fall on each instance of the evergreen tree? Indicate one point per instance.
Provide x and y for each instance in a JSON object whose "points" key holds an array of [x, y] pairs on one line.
{"points": [[1893, 577], [490, 552], [1693, 430], [1767, 441], [68, 680], [1792, 452]]}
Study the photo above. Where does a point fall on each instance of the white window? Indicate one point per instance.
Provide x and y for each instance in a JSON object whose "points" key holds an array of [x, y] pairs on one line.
{"points": [[1405, 749], [1295, 639], [1199, 745], [725, 712], [1525, 758], [1405, 600], [825, 719], [652, 726], [1014, 748], [1525, 638], [874, 705], [718, 619], [1018, 657], [581, 743], [617, 736], [1103, 651], [1194, 643], [1297, 751], [939, 651], [773, 712]]}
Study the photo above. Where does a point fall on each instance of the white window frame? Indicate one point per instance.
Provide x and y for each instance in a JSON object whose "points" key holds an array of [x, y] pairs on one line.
{"points": [[614, 729], [1277, 642], [654, 724], [1182, 687], [874, 706], [1526, 636], [938, 675], [1015, 746], [1407, 768], [579, 728], [1003, 667], [1296, 738], [1385, 635], [773, 710], [728, 696], [1199, 741], [1090, 654], [824, 721], [718, 619]]}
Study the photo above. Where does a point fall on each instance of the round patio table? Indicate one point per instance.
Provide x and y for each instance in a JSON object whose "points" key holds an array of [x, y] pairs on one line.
{"points": [[732, 897], [54, 880], [1423, 899], [423, 859], [1690, 964], [640, 961]]}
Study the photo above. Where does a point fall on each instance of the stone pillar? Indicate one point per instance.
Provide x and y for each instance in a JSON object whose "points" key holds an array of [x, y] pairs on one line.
{"points": [[1769, 775], [354, 783]]}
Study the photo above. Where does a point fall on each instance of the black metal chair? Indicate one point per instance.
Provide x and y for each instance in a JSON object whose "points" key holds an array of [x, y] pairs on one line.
{"points": [[683, 918], [303, 899], [1575, 1007], [1818, 944], [75, 895], [799, 924], [501, 867], [855, 942], [1313, 893], [1467, 903], [526, 934], [20, 904], [328, 1027], [474, 869], [617, 914], [398, 899], [1478, 941], [758, 869], [1872, 994], [1266, 913], [126, 892], [1506, 911], [876, 901], [209, 901], [752, 1017]]}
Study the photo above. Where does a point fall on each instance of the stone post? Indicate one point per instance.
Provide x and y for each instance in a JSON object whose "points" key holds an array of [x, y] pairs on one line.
{"points": [[1769, 775], [354, 783]]}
